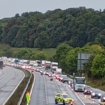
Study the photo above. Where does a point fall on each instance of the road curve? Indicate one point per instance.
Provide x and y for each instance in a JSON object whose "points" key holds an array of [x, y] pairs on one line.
{"points": [[44, 91], [10, 78]]}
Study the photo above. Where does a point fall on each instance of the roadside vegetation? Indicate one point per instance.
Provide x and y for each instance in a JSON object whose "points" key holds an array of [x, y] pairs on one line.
{"points": [[16, 96], [66, 56], [94, 69]]}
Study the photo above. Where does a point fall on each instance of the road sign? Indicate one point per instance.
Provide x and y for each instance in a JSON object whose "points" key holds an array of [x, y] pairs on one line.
{"points": [[73, 74]]}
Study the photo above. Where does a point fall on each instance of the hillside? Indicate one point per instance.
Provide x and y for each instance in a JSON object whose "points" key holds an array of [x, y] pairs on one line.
{"points": [[74, 26]]}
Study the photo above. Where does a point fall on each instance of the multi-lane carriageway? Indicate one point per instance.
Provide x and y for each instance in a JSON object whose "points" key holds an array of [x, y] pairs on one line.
{"points": [[10, 78], [44, 91]]}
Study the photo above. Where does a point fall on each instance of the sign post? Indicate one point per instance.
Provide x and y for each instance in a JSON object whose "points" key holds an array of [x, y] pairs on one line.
{"points": [[28, 98]]}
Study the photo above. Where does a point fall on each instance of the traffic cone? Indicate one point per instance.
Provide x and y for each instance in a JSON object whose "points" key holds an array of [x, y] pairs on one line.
{"points": [[43, 100]]}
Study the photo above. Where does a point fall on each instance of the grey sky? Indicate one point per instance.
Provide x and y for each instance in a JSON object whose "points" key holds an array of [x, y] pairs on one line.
{"points": [[8, 8]]}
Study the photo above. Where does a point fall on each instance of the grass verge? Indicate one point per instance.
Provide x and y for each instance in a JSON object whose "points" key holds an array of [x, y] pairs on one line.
{"points": [[17, 94], [96, 84], [28, 89], [50, 52]]}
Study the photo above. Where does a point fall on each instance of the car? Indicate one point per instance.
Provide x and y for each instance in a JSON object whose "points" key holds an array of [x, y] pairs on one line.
{"points": [[51, 79], [58, 77], [41, 71], [44, 72], [87, 90], [103, 98], [50, 74], [63, 98], [61, 77], [70, 83], [64, 79], [96, 94]]}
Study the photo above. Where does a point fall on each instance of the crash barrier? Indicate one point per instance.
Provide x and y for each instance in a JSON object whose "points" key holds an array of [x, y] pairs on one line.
{"points": [[22, 96]]}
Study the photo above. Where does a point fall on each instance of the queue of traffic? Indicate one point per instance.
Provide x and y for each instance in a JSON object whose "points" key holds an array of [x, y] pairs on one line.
{"points": [[51, 69]]}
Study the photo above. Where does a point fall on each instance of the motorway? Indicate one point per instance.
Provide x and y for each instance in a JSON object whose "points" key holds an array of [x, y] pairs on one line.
{"points": [[44, 91], [9, 80]]}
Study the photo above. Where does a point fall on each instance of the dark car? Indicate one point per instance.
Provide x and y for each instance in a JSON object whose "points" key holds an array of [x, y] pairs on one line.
{"points": [[65, 79], [103, 98], [87, 90], [51, 79], [96, 94]]}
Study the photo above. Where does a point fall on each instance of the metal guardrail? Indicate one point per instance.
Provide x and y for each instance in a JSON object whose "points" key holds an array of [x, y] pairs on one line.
{"points": [[22, 96]]}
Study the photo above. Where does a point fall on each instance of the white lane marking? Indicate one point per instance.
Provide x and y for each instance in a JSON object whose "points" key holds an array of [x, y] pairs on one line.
{"points": [[79, 98], [46, 91], [32, 84], [14, 89]]}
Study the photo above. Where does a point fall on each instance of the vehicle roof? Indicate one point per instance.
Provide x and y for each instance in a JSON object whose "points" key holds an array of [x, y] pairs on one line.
{"points": [[62, 93], [88, 87], [103, 95], [97, 91], [63, 75]]}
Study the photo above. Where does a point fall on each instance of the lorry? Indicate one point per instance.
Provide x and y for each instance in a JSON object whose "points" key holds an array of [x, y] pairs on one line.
{"points": [[58, 71], [47, 65], [1, 64], [43, 62], [79, 83], [54, 65]]}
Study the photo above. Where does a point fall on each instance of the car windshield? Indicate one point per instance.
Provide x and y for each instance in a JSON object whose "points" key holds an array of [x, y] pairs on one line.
{"points": [[96, 91], [63, 76], [65, 96], [87, 87]]}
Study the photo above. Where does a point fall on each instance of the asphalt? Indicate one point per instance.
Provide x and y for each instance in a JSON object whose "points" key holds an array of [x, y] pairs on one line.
{"points": [[9, 80], [44, 91]]}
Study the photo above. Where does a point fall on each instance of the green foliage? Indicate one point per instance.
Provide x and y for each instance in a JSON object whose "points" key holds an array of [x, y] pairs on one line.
{"points": [[98, 66], [28, 54], [74, 26], [5, 50], [71, 61], [41, 56], [88, 65]]}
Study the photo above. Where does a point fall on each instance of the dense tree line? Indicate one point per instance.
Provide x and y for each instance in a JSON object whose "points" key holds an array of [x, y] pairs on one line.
{"points": [[74, 26], [68, 56]]}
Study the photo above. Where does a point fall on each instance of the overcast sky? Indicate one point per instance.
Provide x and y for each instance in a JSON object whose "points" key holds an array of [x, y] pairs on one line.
{"points": [[8, 8]]}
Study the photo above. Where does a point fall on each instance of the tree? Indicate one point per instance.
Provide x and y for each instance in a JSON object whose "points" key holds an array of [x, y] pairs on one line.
{"points": [[87, 66], [71, 62], [98, 66], [61, 54], [41, 56], [42, 41]]}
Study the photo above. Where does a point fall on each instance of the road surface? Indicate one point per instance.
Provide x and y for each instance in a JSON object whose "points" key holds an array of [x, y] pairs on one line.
{"points": [[9, 80], [44, 91]]}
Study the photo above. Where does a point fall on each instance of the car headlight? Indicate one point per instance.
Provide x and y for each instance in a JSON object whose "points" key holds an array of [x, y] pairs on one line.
{"points": [[104, 98], [66, 99], [99, 94], [85, 90], [93, 94]]}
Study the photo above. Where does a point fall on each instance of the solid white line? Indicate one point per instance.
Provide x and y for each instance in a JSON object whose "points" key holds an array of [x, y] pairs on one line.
{"points": [[32, 85], [78, 97], [46, 91], [14, 89]]}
